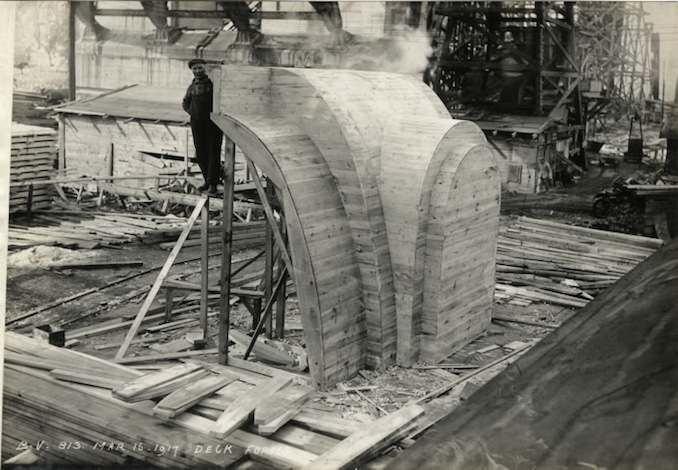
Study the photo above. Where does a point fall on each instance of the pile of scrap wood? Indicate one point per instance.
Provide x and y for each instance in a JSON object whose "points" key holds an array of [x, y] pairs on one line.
{"points": [[542, 261], [87, 411], [33, 158], [80, 229]]}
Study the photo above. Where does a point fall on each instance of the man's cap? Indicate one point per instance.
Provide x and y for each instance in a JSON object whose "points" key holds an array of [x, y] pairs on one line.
{"points": [[193, 62]]}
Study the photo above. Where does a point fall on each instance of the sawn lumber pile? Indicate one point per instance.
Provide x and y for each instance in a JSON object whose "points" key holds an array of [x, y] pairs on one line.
{"points": [[84, 410], [33, 156], [77, 229], [542, 261]]}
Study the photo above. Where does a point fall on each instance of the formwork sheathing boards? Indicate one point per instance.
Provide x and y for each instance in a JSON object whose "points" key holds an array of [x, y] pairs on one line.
{"points": [[319, 135]]}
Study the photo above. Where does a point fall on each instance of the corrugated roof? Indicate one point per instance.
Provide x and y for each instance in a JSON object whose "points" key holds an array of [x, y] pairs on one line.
{"points": [[136, 102]]}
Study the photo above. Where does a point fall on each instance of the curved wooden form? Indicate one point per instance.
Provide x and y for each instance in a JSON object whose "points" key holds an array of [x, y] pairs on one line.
{"points": [[461, 242], [352, 119], [423, 216], [325, 268]]}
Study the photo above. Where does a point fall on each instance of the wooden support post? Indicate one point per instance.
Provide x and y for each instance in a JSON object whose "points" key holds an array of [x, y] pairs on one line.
{"points": [[280, 306], [204, 265], [266, 312], [268, 269], [111, 157], [71, 51], [227, 242], [256, 313], [61, 165], [159, 281], [186, 158]]}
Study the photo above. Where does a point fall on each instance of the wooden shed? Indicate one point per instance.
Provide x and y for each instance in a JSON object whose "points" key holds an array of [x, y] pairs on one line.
{"points": [[519, 141], [135, 130], [391, 207]]}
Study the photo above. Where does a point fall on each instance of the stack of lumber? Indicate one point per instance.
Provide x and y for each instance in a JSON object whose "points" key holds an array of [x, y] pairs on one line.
{"points": [[87, 411], [86, 229], [33, 158], [79, 229], [542, 261], [252, 232], [30, 108]]}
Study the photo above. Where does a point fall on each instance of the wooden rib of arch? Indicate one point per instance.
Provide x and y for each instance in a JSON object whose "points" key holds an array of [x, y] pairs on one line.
{"points": [[416, 150], [461, 240], [327, 278]]}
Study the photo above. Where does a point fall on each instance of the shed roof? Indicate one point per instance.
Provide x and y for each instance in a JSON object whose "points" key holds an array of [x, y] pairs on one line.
{"points": [[514, 123], [134, 101]]}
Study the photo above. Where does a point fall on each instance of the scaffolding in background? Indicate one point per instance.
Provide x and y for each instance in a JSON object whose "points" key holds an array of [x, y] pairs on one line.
{"points": [[619, 56]]}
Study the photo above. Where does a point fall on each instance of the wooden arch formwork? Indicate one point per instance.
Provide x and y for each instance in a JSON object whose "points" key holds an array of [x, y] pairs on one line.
{"points": [[391, 210]]}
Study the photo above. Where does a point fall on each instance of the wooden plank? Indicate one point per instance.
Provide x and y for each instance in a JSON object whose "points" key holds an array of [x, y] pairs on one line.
{"points": [[163, 357], [370, 440], [261, 349], [134, 387], [86, 379], [280, 401], [326, 423], [64, 358], [241, 409], [282, 406], [184, 398], [26, 360], [160, 279]]}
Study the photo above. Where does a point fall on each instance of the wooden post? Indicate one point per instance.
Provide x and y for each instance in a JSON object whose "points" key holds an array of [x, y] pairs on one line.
{"points": [[280, 306], [227, 242], [111, 156], [268, 269], [204, 265], [71, 51], [61, 165], [186, 158]]}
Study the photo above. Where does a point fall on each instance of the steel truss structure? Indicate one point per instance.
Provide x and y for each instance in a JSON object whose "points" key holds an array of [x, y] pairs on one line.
{"points": [[619, 56], [508, 56]]}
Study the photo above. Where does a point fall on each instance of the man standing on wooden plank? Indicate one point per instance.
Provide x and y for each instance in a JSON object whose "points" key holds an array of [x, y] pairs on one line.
{"points": [[207, 136]]}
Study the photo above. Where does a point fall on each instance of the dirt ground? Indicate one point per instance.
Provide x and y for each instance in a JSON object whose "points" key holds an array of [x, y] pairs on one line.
{"points": [[33, 287]]}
